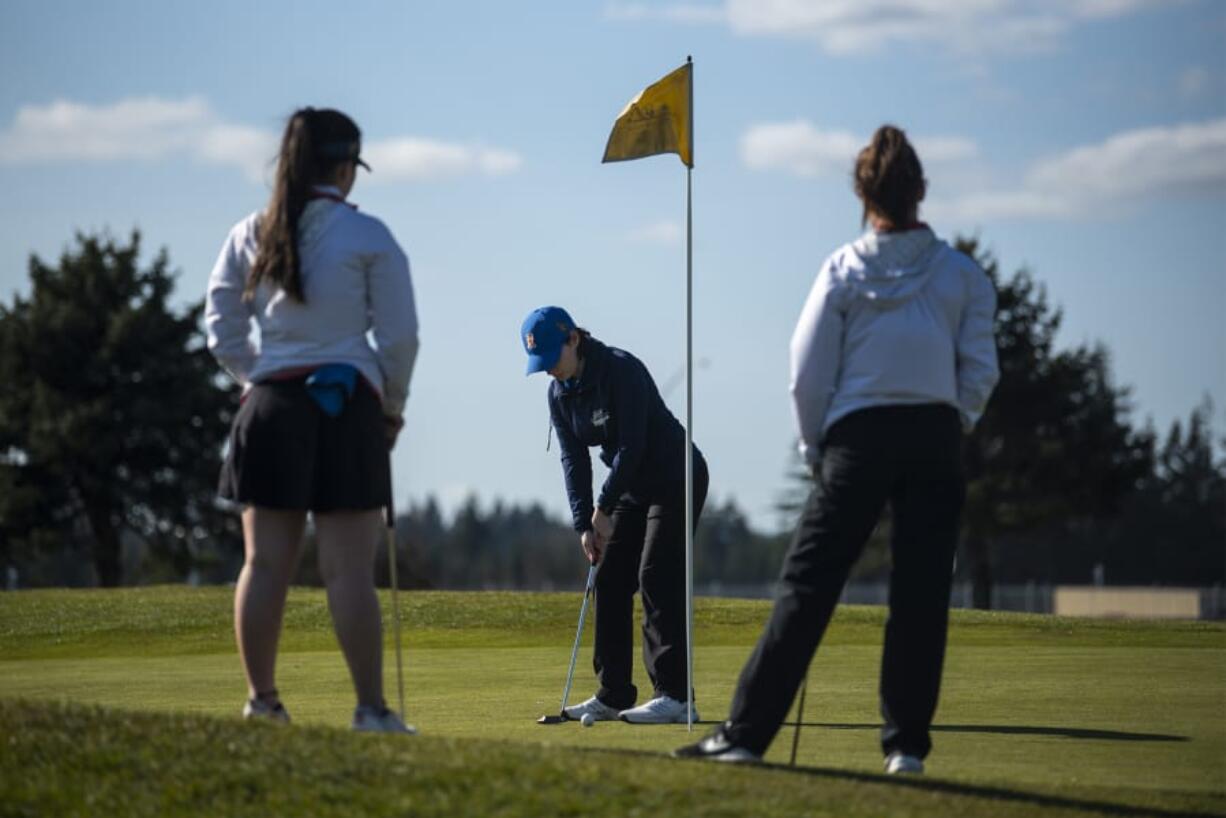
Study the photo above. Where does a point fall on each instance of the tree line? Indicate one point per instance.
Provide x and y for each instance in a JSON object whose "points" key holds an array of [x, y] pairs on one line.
{"points": [[113, 417]]}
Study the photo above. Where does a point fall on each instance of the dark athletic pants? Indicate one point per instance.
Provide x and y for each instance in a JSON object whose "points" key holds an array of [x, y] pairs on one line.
{"points": [[908, 456], [647, 553]]}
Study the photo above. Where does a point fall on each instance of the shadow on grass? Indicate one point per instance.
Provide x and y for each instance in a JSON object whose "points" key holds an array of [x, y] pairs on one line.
{"points": [[995, 793], [922, 784], [999, 729], [1015, 730], [1037, 799]]}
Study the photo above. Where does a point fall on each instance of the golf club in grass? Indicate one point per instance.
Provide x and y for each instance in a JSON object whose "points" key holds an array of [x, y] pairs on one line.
{"points": [[391, 567], [574, 654], [800, 718]]}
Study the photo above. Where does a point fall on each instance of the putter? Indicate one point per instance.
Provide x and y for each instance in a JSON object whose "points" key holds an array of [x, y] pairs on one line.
{"points": [[391, 567], [800, 718], [574, 654]]}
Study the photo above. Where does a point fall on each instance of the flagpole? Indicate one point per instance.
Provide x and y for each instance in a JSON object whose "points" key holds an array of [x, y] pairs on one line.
{"points": [[689, 418]]}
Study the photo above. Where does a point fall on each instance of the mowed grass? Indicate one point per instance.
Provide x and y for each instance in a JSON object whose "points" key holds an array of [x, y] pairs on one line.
{"points": [[126, 702]]}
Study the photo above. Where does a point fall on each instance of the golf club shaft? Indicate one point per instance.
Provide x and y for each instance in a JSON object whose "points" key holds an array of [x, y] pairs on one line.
{"points": [[574, 654], [800, 717], [391, 567]]}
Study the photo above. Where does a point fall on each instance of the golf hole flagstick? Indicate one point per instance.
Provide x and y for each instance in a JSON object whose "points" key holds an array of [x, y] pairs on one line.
{"points": [[574, 654]]}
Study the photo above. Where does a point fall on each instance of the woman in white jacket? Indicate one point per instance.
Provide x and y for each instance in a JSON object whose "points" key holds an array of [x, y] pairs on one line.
{"points": [[893, 357], [321, 404]]}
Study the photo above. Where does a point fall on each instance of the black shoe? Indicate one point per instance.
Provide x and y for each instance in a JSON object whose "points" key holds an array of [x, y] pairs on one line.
{"points": [[716, 747]]}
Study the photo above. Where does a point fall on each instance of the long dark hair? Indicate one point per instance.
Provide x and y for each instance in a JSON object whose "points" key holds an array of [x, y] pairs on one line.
{"points": [[308, 157], [889, 178]]}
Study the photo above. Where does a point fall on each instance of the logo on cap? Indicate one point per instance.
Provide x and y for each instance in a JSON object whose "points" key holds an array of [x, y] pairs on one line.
{"points": [[530, 341]]}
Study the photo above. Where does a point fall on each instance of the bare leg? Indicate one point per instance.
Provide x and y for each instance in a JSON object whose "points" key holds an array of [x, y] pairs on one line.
{"points": [[347, 542], [272, 540]]}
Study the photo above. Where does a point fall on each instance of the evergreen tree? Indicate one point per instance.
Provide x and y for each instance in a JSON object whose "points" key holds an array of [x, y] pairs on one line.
{"points": [[1174, 530], [1055, 444], [113, 413]]}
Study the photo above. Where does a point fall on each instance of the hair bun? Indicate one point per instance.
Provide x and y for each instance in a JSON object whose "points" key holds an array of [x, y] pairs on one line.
{"points": [[888, 176]]}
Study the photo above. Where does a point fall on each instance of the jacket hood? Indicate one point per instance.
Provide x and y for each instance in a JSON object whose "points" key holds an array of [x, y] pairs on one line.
{"points": [[888, 269]]}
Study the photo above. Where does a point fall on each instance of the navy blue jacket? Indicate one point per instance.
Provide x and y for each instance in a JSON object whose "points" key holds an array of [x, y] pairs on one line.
{"points": [[615, 405]]}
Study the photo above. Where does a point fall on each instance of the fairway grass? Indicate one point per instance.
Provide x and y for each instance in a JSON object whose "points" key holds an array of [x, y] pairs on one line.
{"points": [[130, 698]]}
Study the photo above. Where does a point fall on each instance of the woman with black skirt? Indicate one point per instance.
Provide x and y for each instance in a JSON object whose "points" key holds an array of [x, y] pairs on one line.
{"points": [[893, 358], [321, 405], [635, 528]]}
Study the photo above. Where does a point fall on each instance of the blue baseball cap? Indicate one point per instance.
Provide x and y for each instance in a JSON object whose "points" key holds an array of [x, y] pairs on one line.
{"points": [[544, 332]]}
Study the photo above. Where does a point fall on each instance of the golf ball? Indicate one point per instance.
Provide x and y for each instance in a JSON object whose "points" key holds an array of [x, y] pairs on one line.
{"points": [[588, 720]]}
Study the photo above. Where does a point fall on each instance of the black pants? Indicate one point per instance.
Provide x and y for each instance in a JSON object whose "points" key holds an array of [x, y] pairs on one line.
{"points": [[647, 553], [908, 456]]}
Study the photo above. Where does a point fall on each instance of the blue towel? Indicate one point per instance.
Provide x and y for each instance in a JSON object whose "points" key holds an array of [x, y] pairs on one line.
{"points": [[331, 386]]}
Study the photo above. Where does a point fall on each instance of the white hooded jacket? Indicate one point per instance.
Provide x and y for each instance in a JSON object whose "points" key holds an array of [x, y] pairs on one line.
{"points": [[893, 318], [355, 280]]}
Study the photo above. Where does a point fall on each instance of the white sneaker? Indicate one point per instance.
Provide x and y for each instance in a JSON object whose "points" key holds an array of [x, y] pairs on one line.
{"points": [[599, 710], [261, 710], [899, 763], [367, 719], [660, 710]]}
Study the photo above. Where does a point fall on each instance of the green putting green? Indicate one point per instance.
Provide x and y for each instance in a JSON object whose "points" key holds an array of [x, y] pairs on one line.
{"points": [[1038, 715]]}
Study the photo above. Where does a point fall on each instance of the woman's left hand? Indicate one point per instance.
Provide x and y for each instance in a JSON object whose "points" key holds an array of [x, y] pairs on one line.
{"points": [[602, 525]]}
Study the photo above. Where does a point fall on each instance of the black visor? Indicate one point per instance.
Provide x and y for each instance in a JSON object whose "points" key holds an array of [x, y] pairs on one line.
{"points": [[341, 151]]}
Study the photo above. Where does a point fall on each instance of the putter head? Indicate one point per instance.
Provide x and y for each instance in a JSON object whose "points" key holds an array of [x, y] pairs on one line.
{"points": [[558, 719]]}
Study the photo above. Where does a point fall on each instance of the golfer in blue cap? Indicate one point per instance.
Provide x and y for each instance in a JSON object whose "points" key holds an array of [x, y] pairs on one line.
{"points": [[634, 528]]}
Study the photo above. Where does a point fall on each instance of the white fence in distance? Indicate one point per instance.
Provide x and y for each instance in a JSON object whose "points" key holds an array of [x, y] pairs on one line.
{"points": [[1031, 597]]}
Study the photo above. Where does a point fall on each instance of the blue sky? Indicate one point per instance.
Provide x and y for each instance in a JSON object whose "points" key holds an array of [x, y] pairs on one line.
{"points": [[1085, 139]]}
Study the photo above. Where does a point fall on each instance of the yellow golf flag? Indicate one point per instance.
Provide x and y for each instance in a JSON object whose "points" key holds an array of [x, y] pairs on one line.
{"points": [[655, 121]]}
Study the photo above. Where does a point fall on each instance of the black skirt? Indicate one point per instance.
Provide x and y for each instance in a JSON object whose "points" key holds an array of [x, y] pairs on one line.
{"points": [[286, 453]]}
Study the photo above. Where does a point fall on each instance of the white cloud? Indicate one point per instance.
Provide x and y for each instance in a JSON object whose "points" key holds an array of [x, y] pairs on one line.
{"points": [[661, 232], [152, 128], [1128, 167], [136, 128], [803, 149], [1122, 170], [799, 148], [854, 26], [1178, 158], [415, 159]]}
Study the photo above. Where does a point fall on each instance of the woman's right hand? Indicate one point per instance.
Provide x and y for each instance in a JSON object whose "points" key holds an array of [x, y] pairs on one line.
{"points": [[593, 546]]}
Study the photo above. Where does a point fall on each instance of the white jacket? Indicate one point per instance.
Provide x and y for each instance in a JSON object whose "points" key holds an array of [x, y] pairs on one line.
{"points": [[355, 279], [893, 318]]}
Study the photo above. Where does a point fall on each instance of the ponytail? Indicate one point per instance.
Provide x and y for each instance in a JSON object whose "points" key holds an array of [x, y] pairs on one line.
{"points": [[301, 164]]}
